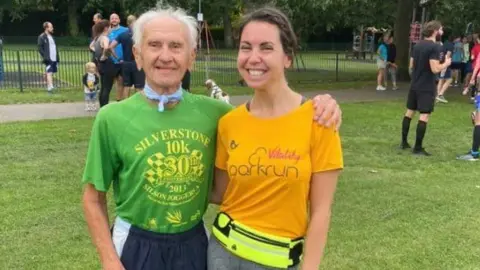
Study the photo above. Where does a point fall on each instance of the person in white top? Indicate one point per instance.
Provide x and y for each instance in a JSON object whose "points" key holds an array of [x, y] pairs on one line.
{"points": [[49, 53]]}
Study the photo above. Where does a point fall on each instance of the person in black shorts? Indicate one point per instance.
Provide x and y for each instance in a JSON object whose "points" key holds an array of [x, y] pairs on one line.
{"points": [[131, 75], [424, 65]]}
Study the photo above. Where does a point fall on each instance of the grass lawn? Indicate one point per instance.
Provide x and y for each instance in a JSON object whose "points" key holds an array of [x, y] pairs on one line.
{"points": [[392, 210], [14, 96]]}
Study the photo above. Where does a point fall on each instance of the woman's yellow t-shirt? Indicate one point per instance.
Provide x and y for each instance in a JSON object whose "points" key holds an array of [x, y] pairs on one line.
{"points": [[270, 163]]}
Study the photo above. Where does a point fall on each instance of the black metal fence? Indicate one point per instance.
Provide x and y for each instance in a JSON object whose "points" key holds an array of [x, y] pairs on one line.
{"points": [[23, 69]]}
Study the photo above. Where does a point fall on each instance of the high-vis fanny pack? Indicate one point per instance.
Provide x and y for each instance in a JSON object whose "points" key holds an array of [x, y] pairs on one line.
{"points": [[255, 246]]}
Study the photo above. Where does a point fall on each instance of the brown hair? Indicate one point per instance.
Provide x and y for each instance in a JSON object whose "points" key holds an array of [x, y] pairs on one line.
{"points": [[275, 17], [99, 27], [431, 27]]}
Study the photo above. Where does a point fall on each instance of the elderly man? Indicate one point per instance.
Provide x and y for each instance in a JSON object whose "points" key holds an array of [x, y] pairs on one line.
{"points": [[157, 150]]}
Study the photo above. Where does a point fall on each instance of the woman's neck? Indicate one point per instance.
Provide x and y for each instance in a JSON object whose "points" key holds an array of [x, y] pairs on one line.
{"points": [[274, 101]]}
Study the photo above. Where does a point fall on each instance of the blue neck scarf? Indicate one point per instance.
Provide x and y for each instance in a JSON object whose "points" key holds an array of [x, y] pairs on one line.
{"points": [[162, 99]]}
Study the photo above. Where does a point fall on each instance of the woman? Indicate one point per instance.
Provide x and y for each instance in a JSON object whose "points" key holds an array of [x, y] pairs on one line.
{"points": [[272, 162], [105, 64], [382, 55]]}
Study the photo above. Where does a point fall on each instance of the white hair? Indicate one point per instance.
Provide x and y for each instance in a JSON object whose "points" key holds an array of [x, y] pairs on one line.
{"points": [[174, 13]]}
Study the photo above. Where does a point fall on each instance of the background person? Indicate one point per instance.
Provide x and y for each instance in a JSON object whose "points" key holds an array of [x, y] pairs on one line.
{"points": [[445, 78], [391, 66], [103, 56], [382, 55], [424, 65], [49, 52], [90, 81], [457, 58], [131, 75], [116, 76]]}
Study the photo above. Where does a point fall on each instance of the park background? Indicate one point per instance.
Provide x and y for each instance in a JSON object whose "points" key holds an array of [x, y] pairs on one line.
{"points": [[326, 30], [391, 211]]}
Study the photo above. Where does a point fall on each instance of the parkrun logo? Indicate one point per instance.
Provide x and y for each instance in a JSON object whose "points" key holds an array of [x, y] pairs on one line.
{"points": [[256, 166]]}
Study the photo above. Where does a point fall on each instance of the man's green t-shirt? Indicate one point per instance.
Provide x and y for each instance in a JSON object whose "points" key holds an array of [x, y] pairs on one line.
{"points": [[160, 163]]}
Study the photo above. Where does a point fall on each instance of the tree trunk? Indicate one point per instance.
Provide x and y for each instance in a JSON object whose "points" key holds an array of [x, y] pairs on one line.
{"points": [[227, 28], [362, 41], [402, 33], [72, 18]]}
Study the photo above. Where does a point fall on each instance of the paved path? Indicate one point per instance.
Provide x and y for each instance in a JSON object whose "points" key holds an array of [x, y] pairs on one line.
{"points": [[33, 112]]}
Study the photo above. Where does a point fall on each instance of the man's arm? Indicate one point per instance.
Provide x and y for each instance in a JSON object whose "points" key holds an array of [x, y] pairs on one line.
{"points": [[107, 47], [101, 168], [411, 65], [96, 215], [437, 67], [434, 59], [40, 46], [327, 111], [449, 53], [113, 44], [92, 46], [58, 55]]}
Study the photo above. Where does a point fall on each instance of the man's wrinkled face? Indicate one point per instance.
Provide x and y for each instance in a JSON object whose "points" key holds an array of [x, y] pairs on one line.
{"points": [[165, 53]]}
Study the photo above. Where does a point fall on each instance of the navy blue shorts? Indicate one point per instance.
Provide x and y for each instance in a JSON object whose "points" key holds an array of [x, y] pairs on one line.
{"points": [[132, 76], [468, 68], [146, 250], [51, 67], [446, 75]]}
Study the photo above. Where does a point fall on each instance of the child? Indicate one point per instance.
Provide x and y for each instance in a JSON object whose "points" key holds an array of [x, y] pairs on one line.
{"points": [[90, 82]]}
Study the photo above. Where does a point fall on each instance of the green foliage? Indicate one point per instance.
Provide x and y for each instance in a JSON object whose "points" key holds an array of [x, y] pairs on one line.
{"points": [[309, 17], [456, 14]]}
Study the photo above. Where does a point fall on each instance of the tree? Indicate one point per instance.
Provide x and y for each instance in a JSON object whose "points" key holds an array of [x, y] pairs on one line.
{"points": [[21, 7], [456, 14], [221, 11], [402, 33]]}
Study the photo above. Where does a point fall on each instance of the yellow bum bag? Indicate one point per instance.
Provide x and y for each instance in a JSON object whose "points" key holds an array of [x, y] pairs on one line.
{"points": [[255, 246]]}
